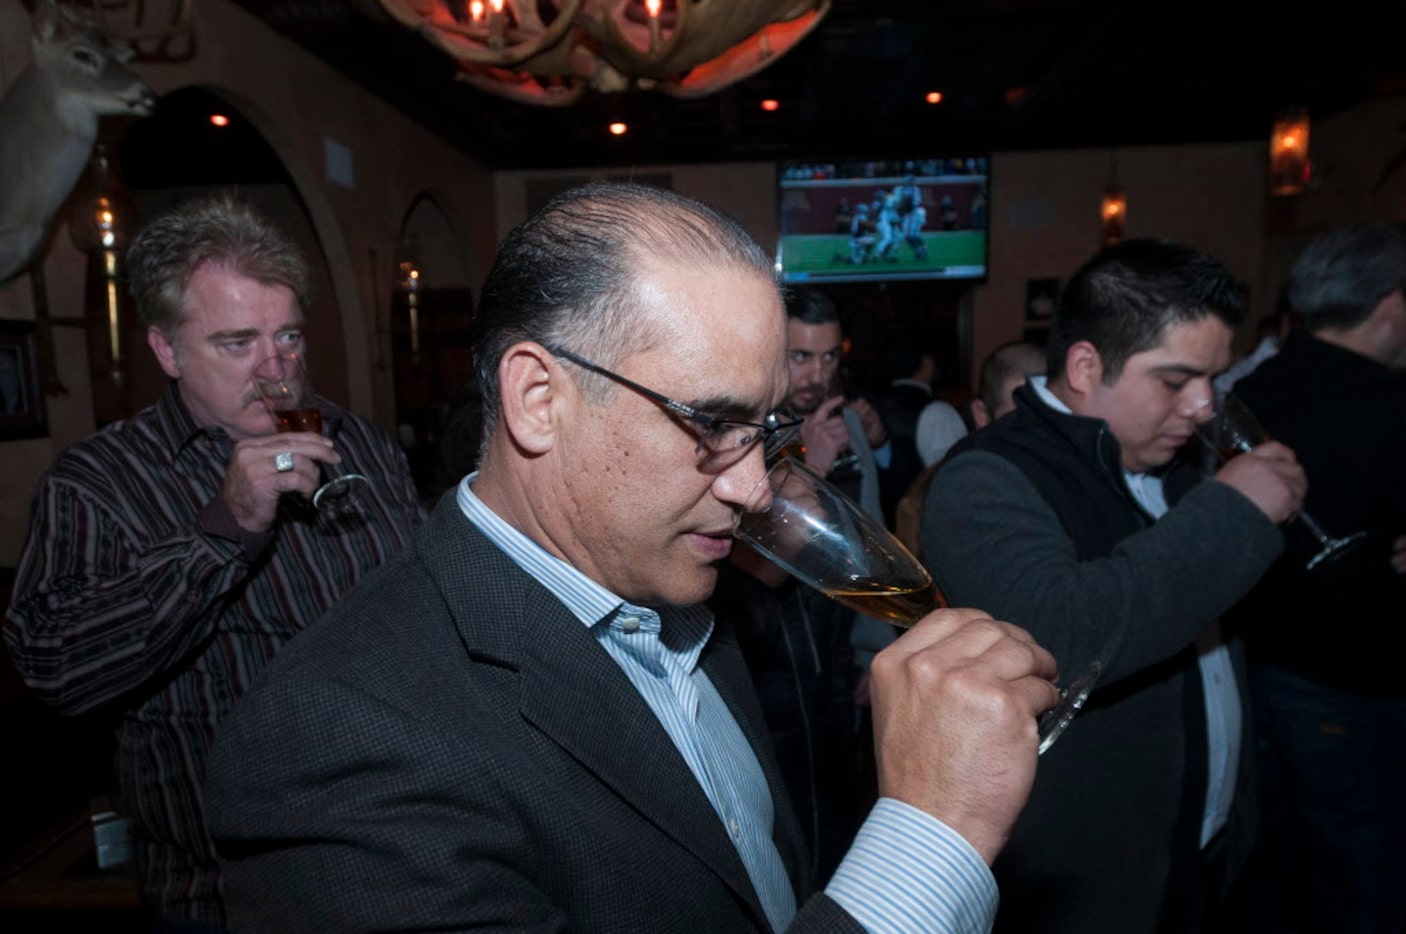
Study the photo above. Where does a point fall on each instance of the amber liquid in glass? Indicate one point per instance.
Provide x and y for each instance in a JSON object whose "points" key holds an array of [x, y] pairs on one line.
{"points": [[299, 420], [902, 606]]}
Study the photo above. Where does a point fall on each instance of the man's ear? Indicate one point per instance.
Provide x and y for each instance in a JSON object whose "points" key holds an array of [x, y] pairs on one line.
{"points": [[165, 350], [530, 385], [981, 415], [1083, 368]]}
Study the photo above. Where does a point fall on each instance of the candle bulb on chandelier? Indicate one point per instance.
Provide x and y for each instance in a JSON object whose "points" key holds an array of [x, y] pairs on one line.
{"points": [[653, 8], [496, 25], [476, 11]]}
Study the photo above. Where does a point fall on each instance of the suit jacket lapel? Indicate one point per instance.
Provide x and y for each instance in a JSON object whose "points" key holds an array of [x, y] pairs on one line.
{"points": [[574, 692]]}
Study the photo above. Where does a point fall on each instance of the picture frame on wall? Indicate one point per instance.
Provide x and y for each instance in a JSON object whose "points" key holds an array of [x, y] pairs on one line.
{"points": [[21, 398]]}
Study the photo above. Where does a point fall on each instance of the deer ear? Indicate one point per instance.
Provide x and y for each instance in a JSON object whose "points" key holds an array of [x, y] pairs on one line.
{"points": [[47, 20]]}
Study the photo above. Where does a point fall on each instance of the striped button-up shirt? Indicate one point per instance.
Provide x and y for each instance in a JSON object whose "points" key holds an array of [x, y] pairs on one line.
{"points": [[907, 871], [138, 590]]}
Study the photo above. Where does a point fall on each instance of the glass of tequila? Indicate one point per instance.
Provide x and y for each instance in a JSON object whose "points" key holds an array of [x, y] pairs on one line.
{"points": [[802, 523], [1232, 431], [283, 383]]}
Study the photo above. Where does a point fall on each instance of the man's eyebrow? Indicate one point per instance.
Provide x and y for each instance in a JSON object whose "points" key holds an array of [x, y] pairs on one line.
{"points": [[1185, 368], [233, 335], [729, 408]]}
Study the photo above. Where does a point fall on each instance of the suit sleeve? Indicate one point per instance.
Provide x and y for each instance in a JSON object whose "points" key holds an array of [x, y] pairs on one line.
{"points": [[330, 809], [991, 541]]}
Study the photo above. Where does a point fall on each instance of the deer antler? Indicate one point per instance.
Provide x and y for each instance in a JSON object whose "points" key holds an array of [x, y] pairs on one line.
{"points": [[704, 45]]}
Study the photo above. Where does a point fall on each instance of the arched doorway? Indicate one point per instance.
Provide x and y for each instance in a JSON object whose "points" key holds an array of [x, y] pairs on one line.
{"points": [[432, 309]]}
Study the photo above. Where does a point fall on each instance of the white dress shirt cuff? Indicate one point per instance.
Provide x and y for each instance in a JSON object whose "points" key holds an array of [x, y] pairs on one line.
{"points": [[907, 871]]}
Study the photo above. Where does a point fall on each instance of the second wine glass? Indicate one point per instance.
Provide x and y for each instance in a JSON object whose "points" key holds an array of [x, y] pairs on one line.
{"points": [[801, 522], [1234, 430], [282, 382]]}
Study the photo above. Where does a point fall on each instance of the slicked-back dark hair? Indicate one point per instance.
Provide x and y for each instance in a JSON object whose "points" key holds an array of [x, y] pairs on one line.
{"points": [[568, 275], [1124, 299], [212, 229], [1341, 277]]}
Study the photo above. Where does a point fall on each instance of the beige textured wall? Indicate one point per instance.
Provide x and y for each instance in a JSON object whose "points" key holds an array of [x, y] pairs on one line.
{"points": [[1045, 204], [296, 102], [1044, 220], [1045, 217]]}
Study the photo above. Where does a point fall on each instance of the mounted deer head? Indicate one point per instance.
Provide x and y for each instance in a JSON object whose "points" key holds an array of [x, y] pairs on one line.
{"points": [[49, 120]]}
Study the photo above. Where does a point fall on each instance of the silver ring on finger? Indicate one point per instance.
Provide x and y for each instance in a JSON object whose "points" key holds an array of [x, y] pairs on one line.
{"points": [[283, 461]]}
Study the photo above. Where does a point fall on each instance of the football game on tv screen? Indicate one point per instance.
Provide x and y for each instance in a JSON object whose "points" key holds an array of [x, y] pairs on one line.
{"points": [[883, 220]]}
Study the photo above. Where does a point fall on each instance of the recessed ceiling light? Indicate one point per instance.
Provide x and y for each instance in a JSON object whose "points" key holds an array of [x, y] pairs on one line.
{"points": [[618, 128], [933, 97], [769, 105], [219, 120]]}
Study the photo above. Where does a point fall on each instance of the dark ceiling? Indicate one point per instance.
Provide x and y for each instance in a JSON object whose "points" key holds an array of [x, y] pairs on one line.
{"points": [[1016, 74]]}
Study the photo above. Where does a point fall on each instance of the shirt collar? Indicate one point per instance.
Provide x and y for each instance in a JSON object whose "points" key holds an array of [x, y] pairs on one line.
{"points": [[1040, 383], [585, 599], [175, 423], [1146, 488]]}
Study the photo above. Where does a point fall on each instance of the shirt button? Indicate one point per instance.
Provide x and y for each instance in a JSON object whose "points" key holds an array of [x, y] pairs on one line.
{"points": [[630, 624], [734, 828]]}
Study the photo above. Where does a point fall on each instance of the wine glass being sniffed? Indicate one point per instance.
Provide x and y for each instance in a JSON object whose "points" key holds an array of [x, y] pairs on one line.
{"points": [[1232, 431], [802, 523], [282, 382]]}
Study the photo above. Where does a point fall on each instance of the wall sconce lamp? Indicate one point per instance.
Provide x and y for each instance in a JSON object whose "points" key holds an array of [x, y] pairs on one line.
{"points": [[1114, 212], [410, 280], [1288, 152], [100, 224]]}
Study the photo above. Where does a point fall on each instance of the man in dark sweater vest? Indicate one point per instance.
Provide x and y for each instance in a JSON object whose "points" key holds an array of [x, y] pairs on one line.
{"points": [[1075, 517]]}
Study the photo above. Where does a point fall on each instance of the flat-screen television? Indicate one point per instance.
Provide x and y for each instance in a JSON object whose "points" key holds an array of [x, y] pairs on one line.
{"points": [[882, 220]]}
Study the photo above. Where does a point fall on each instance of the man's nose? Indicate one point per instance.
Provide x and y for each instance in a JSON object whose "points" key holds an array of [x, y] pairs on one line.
{"points": [[270, 365], [1199, 406], [741, 483]]}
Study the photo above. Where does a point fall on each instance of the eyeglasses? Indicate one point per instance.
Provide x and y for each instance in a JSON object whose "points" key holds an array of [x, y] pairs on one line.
{"points": [[722, 439]]}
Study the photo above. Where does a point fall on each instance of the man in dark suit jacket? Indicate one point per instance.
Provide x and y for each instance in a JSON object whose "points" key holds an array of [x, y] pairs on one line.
{"points": [[911, 371], [529, 722]]}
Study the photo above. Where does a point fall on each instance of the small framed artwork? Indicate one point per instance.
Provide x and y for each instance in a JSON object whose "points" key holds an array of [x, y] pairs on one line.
{"points": [[21, 401], [1041, 298]]}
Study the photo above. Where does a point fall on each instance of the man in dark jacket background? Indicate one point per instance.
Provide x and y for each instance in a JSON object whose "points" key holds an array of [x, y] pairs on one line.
{"points": [[1325, 645]]}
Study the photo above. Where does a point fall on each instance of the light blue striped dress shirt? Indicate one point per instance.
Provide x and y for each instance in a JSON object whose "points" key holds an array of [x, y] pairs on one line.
{"points": [[906, 871]]}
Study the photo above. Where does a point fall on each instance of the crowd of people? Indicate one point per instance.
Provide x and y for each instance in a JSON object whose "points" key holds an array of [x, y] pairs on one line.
{"points": [[561, 696]]}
